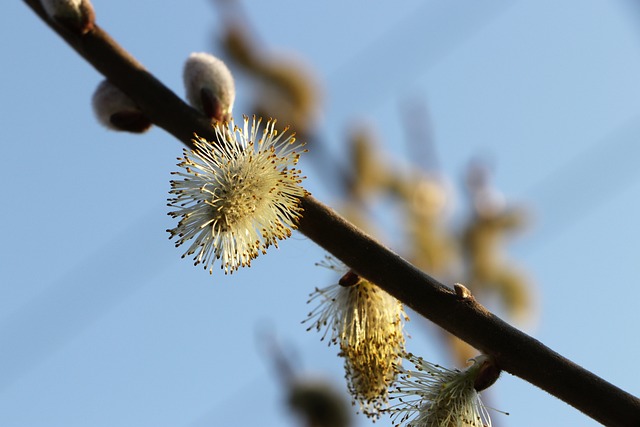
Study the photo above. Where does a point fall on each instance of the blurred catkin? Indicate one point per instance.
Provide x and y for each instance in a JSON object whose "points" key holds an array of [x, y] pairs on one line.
{"points": [[286, 87]]}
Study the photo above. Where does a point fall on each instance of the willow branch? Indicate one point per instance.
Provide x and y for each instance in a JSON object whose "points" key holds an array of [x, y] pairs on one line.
{"points": [[459, 314]]}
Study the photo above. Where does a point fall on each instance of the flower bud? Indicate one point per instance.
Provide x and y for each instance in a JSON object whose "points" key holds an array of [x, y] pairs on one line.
{"points": [[75, 15], [209, 85], [117, 111]]}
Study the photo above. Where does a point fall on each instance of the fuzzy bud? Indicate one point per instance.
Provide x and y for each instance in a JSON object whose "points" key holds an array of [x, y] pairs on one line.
{"points": [[117, 111], [75, 15], [209, 85]]}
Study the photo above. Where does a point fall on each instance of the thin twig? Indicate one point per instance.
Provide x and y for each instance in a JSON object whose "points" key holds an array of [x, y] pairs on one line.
{"points": [[514, 351]]}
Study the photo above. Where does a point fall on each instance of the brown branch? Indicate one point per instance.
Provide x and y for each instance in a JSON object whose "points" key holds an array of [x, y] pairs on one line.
{"points": [[159, 104], [514, 351], [461, 315]]}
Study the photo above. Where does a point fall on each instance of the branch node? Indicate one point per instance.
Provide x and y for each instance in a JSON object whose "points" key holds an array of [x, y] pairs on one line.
{"points": [[462, 292]]}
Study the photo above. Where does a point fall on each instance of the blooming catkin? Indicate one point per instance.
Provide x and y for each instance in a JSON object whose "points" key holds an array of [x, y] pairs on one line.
{"points": [[237, 195], [433, 396], [367, 324]]}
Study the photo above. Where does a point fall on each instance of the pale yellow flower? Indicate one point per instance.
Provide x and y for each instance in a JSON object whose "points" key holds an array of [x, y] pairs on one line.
{"points": [[433, 396], [367, 324], [238, 195]]}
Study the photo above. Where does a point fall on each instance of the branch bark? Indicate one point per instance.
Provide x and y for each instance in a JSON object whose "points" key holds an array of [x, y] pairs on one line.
{"points": [[514, 351]]}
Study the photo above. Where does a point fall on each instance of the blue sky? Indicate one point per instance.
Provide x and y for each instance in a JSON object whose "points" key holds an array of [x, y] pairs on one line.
{"points": [[102, 323]]}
